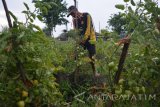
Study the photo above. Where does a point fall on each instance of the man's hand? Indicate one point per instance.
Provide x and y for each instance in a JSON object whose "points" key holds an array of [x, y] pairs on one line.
{"points": [[81, 42], [122, 41]]}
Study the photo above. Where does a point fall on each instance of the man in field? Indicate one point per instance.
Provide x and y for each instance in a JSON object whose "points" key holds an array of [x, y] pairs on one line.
{"points": [[83, 22]]}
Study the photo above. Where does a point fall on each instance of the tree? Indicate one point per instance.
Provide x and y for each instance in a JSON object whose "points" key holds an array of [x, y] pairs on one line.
{"points": [[117, 21], [52, 12]]}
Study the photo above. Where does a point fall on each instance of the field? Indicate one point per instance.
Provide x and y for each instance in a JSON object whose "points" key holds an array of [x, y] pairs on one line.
{"points": [[37, 70]]}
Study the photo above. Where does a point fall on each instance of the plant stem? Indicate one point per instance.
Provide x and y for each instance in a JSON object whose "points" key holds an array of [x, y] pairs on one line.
{"points": [[7, 14]]}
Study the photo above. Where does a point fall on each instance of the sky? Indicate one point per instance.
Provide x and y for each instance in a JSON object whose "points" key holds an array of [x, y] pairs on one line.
{"points": [[100, 10]]}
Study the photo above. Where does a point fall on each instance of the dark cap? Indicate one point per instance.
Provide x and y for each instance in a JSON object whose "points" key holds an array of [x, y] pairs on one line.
{"points": [[71, 9]]}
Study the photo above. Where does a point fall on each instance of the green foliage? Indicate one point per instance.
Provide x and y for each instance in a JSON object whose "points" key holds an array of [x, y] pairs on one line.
{"points": [[52, 12], [133, 3], [31, 51], [120, 6], [26, 6], [28, 45], [117, 21], [146, 11], [13, 16], [126, 0], [139, 76], [105, 33], [140, 73]]}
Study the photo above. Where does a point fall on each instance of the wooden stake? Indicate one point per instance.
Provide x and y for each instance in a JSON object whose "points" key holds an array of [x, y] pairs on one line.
{"points": [[120, 68]]}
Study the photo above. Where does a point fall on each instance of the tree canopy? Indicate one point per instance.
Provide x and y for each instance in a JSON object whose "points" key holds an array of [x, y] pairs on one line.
{"points": [[52, 12]]}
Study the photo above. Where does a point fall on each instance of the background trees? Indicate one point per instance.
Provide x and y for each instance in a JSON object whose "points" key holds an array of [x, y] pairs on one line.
{"points": [[52, 13], [117, 22]]}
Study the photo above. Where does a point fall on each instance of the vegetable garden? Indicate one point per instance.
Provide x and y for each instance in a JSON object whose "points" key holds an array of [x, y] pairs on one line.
{"points": [[37, 70]]}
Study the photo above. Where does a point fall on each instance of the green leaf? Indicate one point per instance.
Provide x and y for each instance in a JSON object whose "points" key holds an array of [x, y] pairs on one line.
{"points": [[21, 35], [126, 0], [133, 3], [120, 6], [37, 59], [26, 6], [13, 16], [158, 10], [25, 12], [132, 24], [31, 19], [49, 6], [37, 27], [33, 15], [148, 0], [54, 4], [140, 4], [40, 17], [153, 4], [44, 10], [148, 30], [38, 4], [130, 9]]}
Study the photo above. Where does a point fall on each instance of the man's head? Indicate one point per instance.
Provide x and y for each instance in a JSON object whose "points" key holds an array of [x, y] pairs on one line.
{"points": [[72, 10]]}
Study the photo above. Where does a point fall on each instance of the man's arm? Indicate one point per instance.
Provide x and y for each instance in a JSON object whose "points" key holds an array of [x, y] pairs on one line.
{"points": [[88, 29]]}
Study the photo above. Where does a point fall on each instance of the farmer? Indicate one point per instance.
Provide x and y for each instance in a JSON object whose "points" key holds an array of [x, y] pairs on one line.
{"points": [[83, 22]]}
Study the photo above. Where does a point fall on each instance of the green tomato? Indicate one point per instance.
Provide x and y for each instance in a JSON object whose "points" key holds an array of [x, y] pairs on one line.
{"points": [[22, 27], [155, 50], [24, 93], [81, 53], [36, 92], [118, 91], [136, 55], [137, 89], [143, 89], [125, 96], [21, 103], [27, 100], [156, 32], [115, 68], [111, 65], [121, 86], [121, 81], [142, 55], [130, 83], [35, 82], [128, 92]]}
